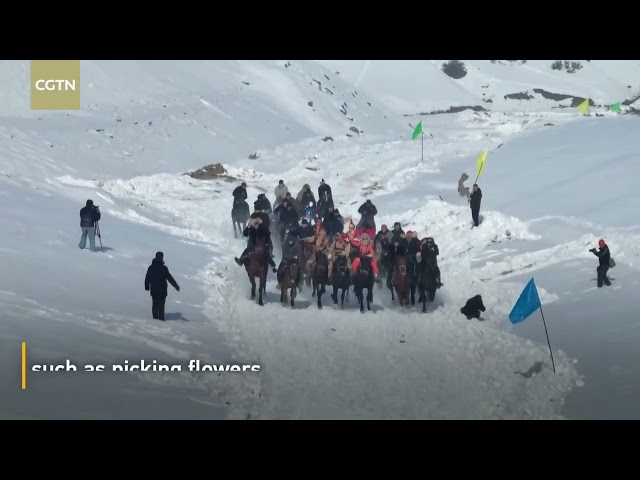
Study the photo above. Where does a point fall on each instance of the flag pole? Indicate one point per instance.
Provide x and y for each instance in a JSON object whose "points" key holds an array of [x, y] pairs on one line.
{"points": [[548, 342], [422, 146]]}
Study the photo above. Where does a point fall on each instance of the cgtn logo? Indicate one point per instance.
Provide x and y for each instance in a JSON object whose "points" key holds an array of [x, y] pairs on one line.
{"points": [[56, 85]]}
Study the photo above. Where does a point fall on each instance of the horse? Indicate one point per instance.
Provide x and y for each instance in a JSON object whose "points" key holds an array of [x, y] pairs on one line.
{"points": [[257, 268], [384, 262], [289, 282], [341, 279], [364, 278], [240, 214], [320, 276], [427, 282], [400, 280], [309, 256]]}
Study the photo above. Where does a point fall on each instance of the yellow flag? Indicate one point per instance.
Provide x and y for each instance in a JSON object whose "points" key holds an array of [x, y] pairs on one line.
{"points": [[481, 161], [584, 107]]}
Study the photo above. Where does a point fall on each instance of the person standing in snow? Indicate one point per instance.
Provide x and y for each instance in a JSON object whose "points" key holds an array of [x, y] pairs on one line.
{"points": [[474, 202], [155, 283], [89, 216], [604, 258]]}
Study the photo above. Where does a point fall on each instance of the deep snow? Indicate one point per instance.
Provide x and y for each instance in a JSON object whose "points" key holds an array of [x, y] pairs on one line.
{"points": [[329, 364]]}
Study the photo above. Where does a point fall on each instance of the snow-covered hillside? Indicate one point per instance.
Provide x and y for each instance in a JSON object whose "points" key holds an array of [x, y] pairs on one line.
{"points": [[411, 87], [554, 182]]}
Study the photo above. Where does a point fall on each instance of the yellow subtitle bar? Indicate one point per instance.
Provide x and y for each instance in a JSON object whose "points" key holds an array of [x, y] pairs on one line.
{"points": [[24, 365]]}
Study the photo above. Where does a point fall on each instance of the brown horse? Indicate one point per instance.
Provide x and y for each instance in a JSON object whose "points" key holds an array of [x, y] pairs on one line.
{"points": [[400, 280], [257, 268], [309, 255], [290, 275]]}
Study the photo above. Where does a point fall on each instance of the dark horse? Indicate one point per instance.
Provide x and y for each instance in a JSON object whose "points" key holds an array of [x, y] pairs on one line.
{"points": [[320, 276], [257, 268], [240, 214], [401, 281], [289, 282], [340, 279], [384, 263], [428, 281], [364, 278]]}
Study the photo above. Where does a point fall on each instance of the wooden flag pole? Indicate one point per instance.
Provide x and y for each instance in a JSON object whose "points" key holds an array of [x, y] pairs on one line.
{"points": [[422, 147]]}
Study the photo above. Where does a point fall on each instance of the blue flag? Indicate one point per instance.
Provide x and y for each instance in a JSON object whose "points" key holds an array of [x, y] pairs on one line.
{"points": [[528, 303]]}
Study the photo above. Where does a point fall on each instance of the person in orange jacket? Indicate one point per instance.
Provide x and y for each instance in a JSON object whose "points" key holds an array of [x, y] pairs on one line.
{"points": [[366, 249]]}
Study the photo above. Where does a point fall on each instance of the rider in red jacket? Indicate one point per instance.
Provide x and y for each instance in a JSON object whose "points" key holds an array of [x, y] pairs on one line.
{"points": [[366, 249]]}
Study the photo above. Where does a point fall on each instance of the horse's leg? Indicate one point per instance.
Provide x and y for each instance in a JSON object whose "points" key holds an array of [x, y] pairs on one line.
{"points": [[293, 297], [413, 292], [342, 297], [334, 296], [369, 296], [262, 282], [320, 292], [253, 286]]}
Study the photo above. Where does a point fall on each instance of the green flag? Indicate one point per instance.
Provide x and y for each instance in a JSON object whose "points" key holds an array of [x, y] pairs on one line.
{"points": [[417, 131], [615, 107]]}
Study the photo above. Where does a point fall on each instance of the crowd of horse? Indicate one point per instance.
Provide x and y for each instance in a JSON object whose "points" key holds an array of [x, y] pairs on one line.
{"points": [[404, 278]]}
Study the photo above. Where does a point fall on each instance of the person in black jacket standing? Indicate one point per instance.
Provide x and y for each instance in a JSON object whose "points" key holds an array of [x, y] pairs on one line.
{"points": [[474, 202], [89, 216], [604, 258], [156, 283]]}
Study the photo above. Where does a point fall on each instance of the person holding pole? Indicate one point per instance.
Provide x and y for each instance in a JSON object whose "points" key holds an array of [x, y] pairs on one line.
{"points": [[474, 202], [89, 217]]}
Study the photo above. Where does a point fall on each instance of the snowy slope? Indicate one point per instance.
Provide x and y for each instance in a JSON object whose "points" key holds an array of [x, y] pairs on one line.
{"points": [[415, 86], [169, 117]]}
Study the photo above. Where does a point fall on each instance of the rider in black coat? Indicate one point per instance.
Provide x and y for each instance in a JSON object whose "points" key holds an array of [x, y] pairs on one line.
{"points": [[256, 232]]}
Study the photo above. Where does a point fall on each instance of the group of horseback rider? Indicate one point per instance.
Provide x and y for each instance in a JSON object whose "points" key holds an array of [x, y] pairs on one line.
{"points": [[319, 232]]}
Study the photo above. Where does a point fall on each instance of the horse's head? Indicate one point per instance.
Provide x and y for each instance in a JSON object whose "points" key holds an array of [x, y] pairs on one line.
{"points": [[401, 264], [365, 266], [322, 259]]}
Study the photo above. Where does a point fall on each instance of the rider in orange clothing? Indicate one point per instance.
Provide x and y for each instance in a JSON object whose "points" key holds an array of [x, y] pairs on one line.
{"points": [[366, 249]]}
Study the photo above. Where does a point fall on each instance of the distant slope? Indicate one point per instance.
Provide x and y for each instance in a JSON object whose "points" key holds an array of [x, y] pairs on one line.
{"points": [[136, 109], [421, 86]]}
